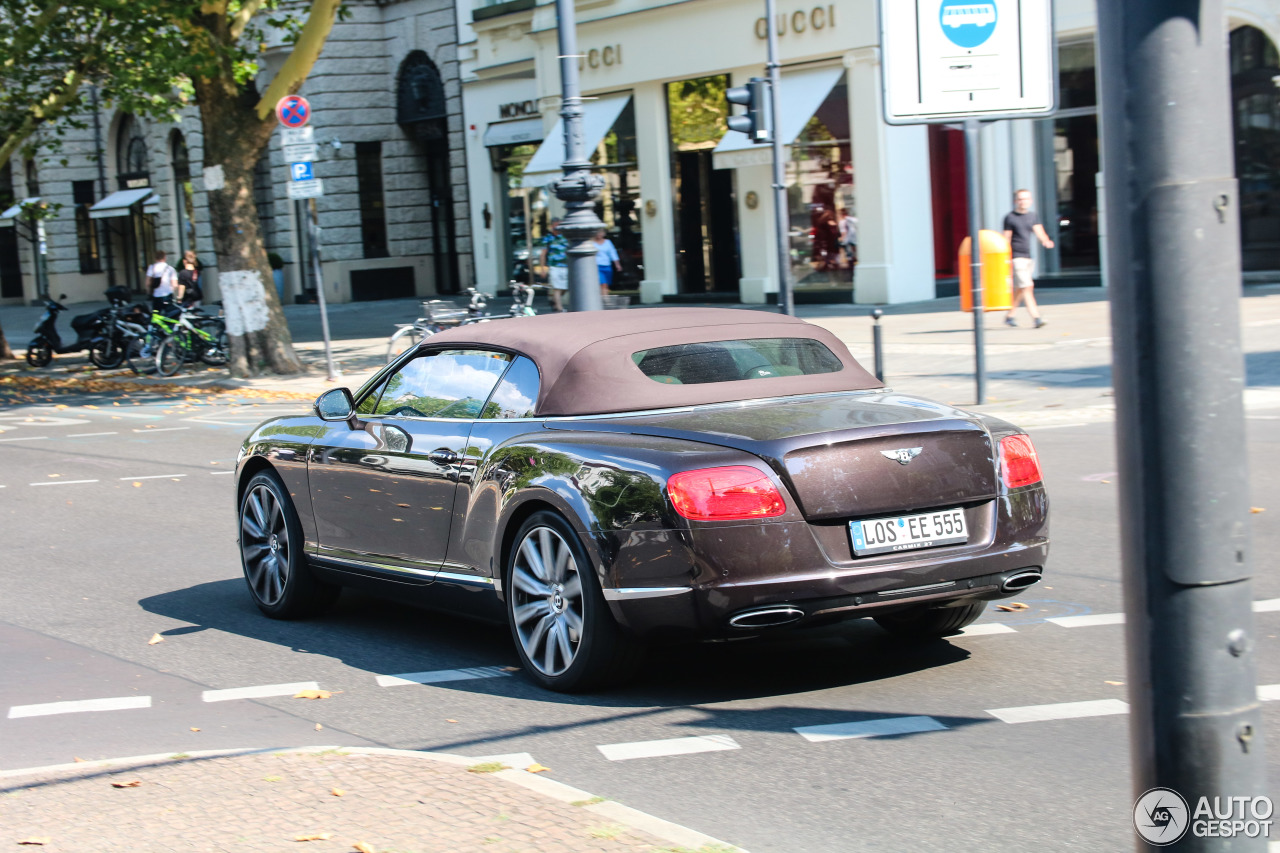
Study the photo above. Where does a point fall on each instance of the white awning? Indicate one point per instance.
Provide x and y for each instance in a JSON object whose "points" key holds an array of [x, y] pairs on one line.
{"points": [[803, 91], [7, 218], [513, 132], [121, 203], [598, 117]]}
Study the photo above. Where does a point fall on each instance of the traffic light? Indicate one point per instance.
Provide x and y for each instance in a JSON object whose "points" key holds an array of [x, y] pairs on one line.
{"points": [[755, 97]]}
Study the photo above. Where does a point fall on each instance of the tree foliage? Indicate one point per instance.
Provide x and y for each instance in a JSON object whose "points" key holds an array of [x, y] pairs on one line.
{"points": [[698, 111]]}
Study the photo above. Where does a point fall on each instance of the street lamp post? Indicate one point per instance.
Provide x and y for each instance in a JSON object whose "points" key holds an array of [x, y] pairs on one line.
{"points": [[579, 188]]}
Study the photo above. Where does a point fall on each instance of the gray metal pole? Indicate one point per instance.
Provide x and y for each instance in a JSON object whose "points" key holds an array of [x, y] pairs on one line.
{"points": [[579, 188], [973, 175], [781, 213], [334, 373], [877, 343], [1173, 256]]}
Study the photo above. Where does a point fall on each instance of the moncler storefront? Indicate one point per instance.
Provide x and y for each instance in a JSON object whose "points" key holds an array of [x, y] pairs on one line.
{"points": [[689, 204]]}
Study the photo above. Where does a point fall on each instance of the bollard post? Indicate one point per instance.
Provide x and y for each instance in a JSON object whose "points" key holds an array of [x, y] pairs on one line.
{"points": [[877, 343]]}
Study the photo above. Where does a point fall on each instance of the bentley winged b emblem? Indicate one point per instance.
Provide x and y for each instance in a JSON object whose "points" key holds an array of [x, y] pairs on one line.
{"points": [[903, 456]]}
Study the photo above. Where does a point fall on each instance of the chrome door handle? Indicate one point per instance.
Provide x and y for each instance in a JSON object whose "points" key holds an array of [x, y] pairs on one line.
{"points": [[443, 456]]}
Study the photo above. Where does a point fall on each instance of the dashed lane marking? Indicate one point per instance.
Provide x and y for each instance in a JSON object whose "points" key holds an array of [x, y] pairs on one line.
{"points": [[1061, 711], [1268, 605], [90, 434], [672, 746], [1269, 692], [160, 429], [154, 477], [121, 703], [262, 691], [27, 438], [869, 728], [439, 676], [216, 473], [61, 482], [986, 628]]}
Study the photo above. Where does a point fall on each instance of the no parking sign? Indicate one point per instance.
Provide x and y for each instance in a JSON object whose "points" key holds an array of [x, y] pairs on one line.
{"points": [[293, 111]]}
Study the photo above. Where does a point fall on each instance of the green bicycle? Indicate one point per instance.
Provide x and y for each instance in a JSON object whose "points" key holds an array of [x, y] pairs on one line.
{"points": [[194, 337], [140, 350]]}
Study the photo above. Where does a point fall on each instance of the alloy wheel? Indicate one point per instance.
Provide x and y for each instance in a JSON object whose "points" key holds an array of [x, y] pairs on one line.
{"points": [[547, 601], [264, 543]]}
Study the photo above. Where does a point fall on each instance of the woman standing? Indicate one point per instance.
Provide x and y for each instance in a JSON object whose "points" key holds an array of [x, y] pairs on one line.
{"points": [[189, 278], [607, 262]]}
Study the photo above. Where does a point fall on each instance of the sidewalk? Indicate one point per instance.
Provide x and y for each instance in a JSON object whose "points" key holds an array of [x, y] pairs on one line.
{"points": [[1045, 375], [321, 800]]}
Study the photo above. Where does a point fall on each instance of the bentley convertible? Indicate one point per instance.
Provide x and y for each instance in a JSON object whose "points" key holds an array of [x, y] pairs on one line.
{"points": [[609, 480]]}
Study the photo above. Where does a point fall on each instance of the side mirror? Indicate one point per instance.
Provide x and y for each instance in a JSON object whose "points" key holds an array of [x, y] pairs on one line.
{"points": [[335, 405]]}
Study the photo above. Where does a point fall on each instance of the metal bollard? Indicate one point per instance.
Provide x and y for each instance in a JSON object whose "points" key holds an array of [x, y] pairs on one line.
{"points": [[877, 343]]}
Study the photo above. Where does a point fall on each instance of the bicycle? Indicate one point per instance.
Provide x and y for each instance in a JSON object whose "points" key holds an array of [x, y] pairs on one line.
{"points": [[140, 349], [435, 317], [205, 340]]}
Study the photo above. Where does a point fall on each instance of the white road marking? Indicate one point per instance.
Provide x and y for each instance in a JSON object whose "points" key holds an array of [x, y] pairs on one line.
{"points": [[90, 434], [62, 482], [260, 692], [1269, 692], [438, 676], [869, 728], [216, 473], [27, 438], [1269, 605], [1088, 620], [1059, 426], [986, 628], [119, 704], [672, 746], [154, 477], [160, 429], [1062, 711]]}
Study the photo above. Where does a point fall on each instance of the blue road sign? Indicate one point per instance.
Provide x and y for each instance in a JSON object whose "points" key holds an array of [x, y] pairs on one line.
{"points": [[301, 171], [968, 23]]}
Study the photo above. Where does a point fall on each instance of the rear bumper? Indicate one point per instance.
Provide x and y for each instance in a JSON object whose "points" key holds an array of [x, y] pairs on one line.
{"points": [[709, 578]]}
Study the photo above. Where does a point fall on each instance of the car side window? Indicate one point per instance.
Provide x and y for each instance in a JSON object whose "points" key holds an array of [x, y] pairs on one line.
{"points": [[516, 394], [443, 384]]}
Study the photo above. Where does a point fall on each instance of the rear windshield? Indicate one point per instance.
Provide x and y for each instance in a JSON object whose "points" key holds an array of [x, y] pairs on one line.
{"points": [[729, 361]]}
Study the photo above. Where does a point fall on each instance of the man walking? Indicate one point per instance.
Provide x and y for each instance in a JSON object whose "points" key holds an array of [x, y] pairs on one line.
{"points": [[555, 257], [1019, 226]]}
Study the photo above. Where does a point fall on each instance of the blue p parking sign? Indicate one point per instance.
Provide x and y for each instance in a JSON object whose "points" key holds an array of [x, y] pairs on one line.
{"points": [[966, 23], [301, 171]]}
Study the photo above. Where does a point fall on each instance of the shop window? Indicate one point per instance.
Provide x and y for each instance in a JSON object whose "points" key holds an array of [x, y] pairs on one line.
{"points": [[10, 265], [87, 235], [33, 179], [820, 194], [264, 199], [522, 221], [615, 160], [184, 195], [1255, 68], [373, 211]]}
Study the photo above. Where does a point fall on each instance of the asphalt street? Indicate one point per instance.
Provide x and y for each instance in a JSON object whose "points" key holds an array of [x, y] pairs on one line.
{"points": [[118, 522]]}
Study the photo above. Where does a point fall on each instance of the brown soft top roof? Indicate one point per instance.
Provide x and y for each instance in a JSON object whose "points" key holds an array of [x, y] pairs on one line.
{"points": [[586, 368]]}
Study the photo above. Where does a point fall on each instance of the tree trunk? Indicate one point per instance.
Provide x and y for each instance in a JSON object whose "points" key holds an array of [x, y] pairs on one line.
{"points": [[5, 352], [234, 137]]}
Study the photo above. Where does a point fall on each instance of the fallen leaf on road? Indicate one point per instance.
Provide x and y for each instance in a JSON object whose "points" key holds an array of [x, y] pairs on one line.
{"points": [[337, 792], [364, 848], [535, 767], [1257, 509], [194, 729], [312, 694], [1013, 605], [137, 485], [78, 760], [316, 836], [450, 720], [38, 841], [511, 669], [55, 475], [136, 783], [319, 727], [1114, 683], [155, 638], [1105, 481]]}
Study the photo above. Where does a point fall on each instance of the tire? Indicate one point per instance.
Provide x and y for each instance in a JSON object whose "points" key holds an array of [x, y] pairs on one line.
{"points": [[39, 354], [271, 553], [171, 355], [402, 341], [106, 354], [140, 355], [925, 623], [219, 352], [564, 633]]}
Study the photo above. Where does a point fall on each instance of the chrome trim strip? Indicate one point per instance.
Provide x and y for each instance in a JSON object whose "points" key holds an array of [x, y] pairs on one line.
{"points": [[704, 406], [471, 580], [637, 592], [382, 567], [913, 589]]}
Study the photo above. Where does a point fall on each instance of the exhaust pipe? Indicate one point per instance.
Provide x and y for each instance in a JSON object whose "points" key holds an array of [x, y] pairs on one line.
{"points": [[767, 617], [1019, 581]]}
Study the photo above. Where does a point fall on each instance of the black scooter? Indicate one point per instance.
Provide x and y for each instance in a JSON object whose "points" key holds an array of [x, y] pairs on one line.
{"points": [[89, 328]]}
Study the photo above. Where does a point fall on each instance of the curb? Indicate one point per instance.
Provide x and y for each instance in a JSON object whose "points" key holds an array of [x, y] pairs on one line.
{"points": [[681, 836]]}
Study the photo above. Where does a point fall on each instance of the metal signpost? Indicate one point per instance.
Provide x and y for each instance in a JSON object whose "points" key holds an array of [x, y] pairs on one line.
{"points": [[968, 61], [304, 187]]}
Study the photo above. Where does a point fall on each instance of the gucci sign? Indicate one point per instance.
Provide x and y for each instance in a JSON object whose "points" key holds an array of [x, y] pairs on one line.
{"points": [[597, 57], [817, 18]]}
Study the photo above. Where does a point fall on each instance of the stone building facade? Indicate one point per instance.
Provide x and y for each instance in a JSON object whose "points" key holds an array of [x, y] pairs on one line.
{"points": [[387, 117]]}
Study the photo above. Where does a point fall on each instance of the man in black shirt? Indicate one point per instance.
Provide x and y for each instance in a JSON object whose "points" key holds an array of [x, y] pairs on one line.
{"points": [[1019, 227]]}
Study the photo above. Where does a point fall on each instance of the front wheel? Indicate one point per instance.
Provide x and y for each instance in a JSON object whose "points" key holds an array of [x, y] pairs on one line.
{"points": [[39, 354], [271, 553], [140, 354], [924, 623], [106, 354], [171, 355], [563, 630]]}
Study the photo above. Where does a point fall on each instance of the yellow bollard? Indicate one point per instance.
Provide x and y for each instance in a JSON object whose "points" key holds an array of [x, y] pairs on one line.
{"points": [[997, 285]]}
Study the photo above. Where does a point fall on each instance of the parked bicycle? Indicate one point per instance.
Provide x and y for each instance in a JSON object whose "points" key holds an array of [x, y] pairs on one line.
{"points": [[436, 318], [195, 337]]}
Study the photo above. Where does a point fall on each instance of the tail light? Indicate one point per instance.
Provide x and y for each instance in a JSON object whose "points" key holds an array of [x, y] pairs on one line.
{"points": [[723, 494], [1019, 465]]}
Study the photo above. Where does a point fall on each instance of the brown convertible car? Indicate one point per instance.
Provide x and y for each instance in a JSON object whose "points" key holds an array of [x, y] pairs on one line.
{"points": [[603, 481]]}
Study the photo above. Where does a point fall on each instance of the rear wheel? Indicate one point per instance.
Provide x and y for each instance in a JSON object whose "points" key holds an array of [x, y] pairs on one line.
{"points": [[218, 351], [106, 354], [140, 354], [271, 553], [924, 623], [39, 354], [563, 630]]}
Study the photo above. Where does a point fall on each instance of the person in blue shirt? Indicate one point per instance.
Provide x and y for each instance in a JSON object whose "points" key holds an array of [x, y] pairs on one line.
{"points": [[555, 257], [607, 262]]}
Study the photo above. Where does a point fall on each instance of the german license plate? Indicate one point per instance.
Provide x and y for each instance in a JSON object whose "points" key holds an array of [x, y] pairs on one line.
{"points": [[908, 532]]}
